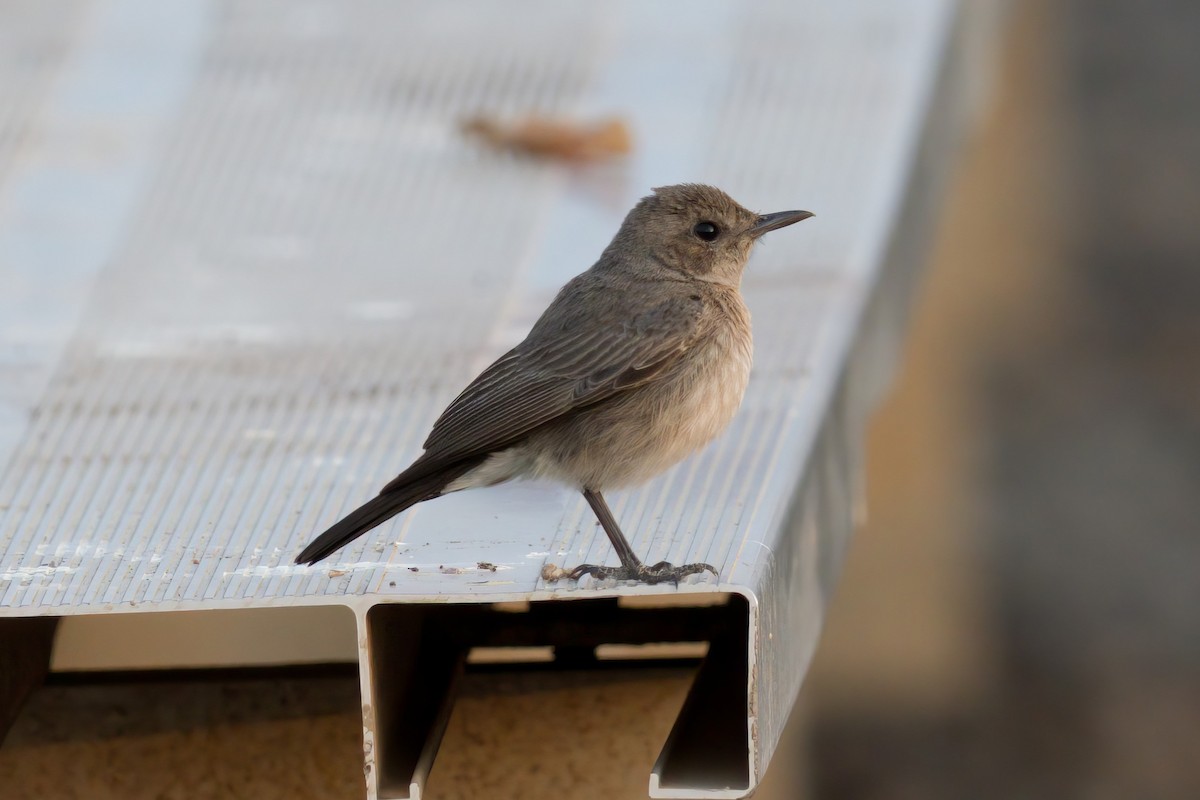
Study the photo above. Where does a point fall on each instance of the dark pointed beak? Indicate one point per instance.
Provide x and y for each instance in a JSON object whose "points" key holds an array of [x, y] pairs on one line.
{"points": [[780, 219]]}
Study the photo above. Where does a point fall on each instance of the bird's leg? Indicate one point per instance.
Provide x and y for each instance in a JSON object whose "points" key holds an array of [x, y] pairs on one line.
{"points": [[629, 559], [631, 569]]}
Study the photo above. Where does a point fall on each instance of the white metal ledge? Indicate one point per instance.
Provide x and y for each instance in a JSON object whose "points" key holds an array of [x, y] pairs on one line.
{"points": [[246, 258]]}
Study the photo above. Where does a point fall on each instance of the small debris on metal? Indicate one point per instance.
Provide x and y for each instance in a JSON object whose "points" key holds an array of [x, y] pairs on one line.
{"points": [[489, 566], [552, 573]]}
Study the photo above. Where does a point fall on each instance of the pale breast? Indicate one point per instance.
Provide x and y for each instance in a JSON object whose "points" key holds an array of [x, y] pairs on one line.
{"points": [[637, 436], [719, 382]]}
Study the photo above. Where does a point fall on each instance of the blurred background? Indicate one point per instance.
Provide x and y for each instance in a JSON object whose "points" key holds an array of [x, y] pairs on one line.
{"points": [[1021, 615]]}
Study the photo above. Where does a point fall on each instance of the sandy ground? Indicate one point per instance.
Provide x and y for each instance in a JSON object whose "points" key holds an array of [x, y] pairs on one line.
{"points": [[301, 738]]}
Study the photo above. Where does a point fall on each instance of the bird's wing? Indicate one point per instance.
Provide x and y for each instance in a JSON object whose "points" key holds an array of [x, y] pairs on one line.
{"points": [[578, 359]]}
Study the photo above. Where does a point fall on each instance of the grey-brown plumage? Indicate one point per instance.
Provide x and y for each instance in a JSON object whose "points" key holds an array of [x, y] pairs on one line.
{"points": [[636, 363]]}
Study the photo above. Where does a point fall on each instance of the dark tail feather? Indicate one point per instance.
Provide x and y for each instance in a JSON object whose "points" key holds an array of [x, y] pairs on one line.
{"points": [[396, 497]]}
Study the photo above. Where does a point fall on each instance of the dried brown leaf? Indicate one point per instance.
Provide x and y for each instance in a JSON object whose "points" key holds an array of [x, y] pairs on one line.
{"points": [[549, 138]]}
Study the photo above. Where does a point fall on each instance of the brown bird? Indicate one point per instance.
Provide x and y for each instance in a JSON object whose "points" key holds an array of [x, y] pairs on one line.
{"points": [[637, 363]]}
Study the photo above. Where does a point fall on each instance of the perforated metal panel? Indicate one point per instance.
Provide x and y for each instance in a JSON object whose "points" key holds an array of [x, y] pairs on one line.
{"points": [[247, 258]]}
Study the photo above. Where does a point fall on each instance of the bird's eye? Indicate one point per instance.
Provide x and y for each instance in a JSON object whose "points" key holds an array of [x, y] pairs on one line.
{"points": [[706, 231]]}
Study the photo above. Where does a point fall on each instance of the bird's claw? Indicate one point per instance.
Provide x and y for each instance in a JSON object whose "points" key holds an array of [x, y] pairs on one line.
{"points": [[662, 572]]}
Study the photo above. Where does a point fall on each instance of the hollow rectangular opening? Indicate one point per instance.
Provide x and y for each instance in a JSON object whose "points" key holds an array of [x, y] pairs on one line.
{"points": [[205, 639], [125, 677], [417, 654]]}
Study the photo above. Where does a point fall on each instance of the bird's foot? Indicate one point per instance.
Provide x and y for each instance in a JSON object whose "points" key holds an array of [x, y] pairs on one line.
{"points": [[662, 572]]}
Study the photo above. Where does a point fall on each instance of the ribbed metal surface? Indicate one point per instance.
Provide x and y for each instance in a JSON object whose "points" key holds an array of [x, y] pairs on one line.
{"points": [[312, 262]]}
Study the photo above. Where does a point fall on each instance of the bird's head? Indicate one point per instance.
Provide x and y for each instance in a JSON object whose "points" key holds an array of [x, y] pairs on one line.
{"points": [[696, 230]]}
